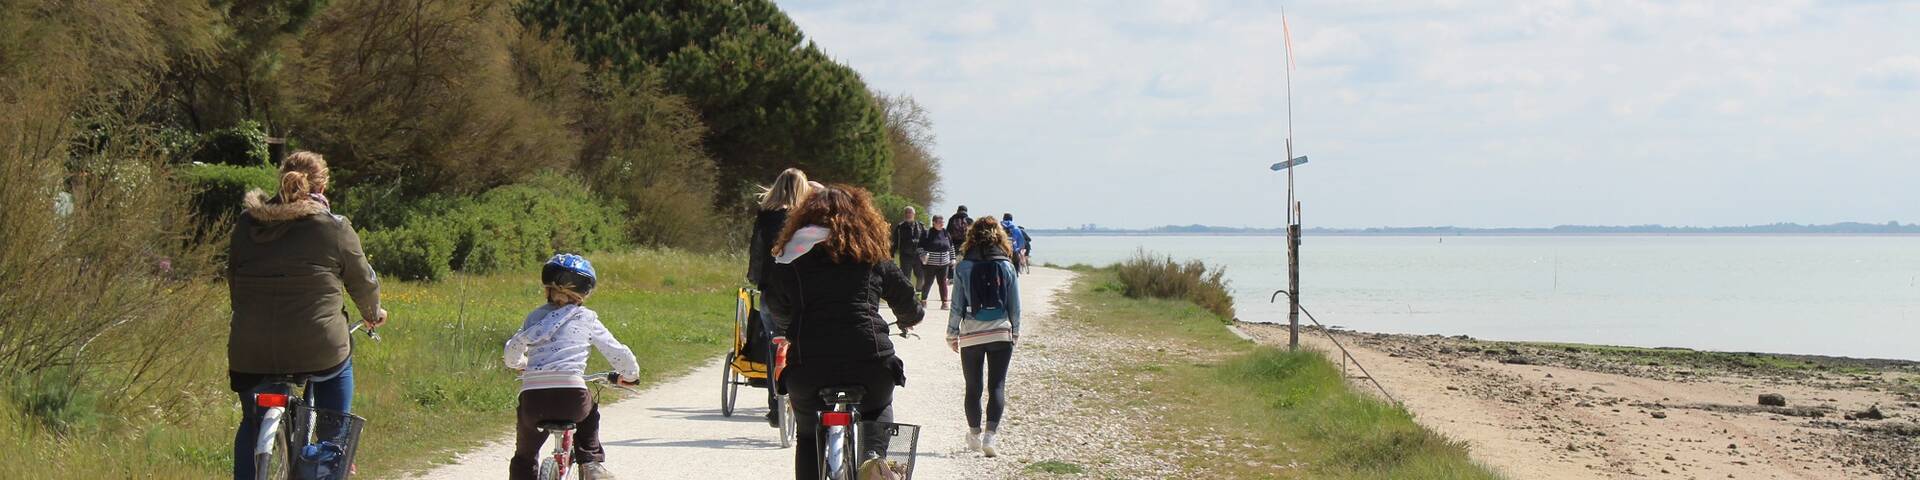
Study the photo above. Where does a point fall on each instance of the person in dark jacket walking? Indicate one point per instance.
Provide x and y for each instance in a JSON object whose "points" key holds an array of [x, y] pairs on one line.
{"points": [[288, 261], [829, 277], [776, 201], [906, 244], [936, 261], [957, 226], [983, 327]]}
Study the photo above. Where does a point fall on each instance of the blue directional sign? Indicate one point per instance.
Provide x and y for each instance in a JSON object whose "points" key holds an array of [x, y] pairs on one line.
{"points": [[1296, 161]]}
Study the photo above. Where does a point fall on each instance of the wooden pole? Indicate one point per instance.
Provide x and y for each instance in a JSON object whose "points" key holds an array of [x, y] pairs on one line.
{"points": [[1293, 261]]}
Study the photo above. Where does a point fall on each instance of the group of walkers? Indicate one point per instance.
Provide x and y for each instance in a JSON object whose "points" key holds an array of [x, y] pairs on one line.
{"points": [[825, 260], [929, 251], [822, 255]]}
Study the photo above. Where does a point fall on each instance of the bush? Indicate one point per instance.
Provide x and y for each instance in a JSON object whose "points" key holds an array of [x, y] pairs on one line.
{"points": [[894, 207], [526, 223], [503, 229], [218, 189], [421, 252], [244, 144], [1147, 275]]}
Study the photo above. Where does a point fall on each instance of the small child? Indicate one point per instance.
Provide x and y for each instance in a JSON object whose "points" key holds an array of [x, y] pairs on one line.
{"points": [[551, 352]]}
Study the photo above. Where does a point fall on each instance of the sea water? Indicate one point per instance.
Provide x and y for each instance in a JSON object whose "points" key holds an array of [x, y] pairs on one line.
{"points": [[1855, 296]]}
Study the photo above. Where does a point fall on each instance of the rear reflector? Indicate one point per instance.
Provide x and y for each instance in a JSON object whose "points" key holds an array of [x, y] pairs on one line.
{"points": [[836, 419], [270, 400]]}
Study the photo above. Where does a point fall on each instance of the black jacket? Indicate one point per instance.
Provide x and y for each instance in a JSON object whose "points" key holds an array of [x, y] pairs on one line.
{"points": [[906, 239], [831, 311], [957, 227], [936, 241], [766, 230]]}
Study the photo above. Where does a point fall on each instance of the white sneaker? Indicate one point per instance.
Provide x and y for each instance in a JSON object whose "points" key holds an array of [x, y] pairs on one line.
{"points": [[595, 471], [973, 441], [987, 443]]}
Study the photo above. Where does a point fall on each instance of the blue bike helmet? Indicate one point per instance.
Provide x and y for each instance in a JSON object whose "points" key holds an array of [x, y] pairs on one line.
{"points": [[569, 269]]}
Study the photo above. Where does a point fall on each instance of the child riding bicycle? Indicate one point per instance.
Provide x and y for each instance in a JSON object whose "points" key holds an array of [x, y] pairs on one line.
{"points": [[551, 352]]}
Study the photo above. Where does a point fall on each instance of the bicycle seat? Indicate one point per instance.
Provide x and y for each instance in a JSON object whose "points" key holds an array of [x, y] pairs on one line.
{"points": [[292, 378], [554, 426], [849, 394]]}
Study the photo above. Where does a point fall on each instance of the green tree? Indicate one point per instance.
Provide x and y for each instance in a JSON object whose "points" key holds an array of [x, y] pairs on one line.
{"points": [[642, 146], [234, 78], [769, 98], [430, 94], [916, 169]]}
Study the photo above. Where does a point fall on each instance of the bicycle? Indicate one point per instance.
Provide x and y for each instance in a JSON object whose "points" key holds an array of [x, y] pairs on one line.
{"points": [[748, 364], [846, 452], [280, 434], [559, 464]]}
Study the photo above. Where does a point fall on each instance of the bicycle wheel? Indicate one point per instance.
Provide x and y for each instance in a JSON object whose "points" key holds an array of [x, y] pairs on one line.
{"points": [[838, 454], [729, 386], [277, 463], [549, 469], [787, 428]]}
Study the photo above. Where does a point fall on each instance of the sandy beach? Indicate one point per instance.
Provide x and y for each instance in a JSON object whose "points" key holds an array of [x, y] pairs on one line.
{"points": [[1570, 411]]}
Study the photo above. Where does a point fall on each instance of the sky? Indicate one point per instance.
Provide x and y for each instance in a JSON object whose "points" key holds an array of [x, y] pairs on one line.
{"points": [[1134, 114]]}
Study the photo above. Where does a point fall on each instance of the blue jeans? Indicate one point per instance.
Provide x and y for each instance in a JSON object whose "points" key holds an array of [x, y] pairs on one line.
{"points": [[332, 391]]}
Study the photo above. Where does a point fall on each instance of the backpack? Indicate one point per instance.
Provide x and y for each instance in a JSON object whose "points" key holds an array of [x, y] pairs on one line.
{"points": [[957, 228], [986, 291]]}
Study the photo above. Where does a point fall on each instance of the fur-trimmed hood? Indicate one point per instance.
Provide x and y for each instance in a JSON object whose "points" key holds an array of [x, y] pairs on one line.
{"points": [[270, 219]]}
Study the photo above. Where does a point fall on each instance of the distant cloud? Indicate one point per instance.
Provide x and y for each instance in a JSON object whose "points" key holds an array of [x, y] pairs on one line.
{"points": [[1462, 112], [1893, 73]]}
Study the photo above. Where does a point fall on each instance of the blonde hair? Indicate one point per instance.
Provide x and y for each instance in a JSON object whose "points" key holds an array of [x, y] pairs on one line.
{"points": [[559, 295], [788, 191], [986, 232], [302, 173]]}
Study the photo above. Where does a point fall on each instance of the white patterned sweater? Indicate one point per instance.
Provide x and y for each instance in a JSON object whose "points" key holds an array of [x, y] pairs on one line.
{"points": [[552, 344]]}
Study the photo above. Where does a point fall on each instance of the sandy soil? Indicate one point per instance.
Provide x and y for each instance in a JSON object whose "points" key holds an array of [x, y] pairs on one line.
{"points": [[674, 429], [1538, 412]]}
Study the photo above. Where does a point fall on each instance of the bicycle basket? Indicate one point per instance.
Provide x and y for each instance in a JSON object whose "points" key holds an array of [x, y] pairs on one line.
{"points": [[890, 450], [336, 437]]}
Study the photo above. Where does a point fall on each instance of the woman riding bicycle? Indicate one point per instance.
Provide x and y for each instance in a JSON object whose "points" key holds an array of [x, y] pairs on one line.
{"points": [[776, 201], [830, 273], [288, 262]]}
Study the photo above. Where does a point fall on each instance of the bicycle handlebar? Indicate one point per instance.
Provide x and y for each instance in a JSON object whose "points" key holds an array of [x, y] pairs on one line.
{"points": [[371, 335], [609, 378]]}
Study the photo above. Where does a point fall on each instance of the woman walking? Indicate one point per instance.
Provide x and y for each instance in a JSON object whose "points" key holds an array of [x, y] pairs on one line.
{"points": [[824, 290], [936, 261], [289, 259], [776, 202], [984, 326]]}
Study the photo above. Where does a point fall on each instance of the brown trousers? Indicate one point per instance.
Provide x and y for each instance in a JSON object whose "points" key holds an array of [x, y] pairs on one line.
{"points": [[554, 405]]}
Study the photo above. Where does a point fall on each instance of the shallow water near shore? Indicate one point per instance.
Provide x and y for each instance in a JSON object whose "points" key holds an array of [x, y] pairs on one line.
{"points": [[1855, 296]]}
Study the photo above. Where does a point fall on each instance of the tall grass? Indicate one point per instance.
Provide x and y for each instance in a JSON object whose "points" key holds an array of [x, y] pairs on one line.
{"points": [[433, 385], [1273, 408], [1149, 275], [1302, 395]]}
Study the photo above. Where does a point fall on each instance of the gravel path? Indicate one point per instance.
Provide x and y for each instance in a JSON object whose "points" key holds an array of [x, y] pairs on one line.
{"points": [[675, 430], [1066, 416]]}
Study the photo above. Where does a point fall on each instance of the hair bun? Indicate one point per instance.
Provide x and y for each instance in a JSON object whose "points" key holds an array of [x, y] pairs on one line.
{"points": [[293, 186]]}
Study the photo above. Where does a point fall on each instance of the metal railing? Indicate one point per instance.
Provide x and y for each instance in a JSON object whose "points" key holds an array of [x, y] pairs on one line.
{"points": [[1346, 356]]}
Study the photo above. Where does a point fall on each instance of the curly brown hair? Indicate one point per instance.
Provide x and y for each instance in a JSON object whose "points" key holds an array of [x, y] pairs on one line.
{"points": [[986, 232], [856, 231]]}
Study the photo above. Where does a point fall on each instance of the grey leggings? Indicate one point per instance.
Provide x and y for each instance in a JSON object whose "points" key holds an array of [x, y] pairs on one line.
{"points": [[993, 357]]}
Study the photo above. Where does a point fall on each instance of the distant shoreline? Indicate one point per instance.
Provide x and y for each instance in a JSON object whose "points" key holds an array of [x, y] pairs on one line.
{"points": [[1777, 229], [1349, 233]]}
